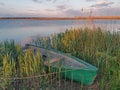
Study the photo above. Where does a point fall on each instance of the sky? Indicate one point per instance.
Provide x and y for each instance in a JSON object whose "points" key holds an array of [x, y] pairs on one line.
{"points": [[59, 8]]}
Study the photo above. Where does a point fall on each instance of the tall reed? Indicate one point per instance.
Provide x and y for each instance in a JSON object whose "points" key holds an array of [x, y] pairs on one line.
{"points": [[16, 63], [98, 47]]}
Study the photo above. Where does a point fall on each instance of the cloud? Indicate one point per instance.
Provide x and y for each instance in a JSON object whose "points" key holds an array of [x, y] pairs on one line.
{"points": [[72, 12], [61, 7], [90, 0], [53, 1], [49, 10], [2, 4], [32, 10], [40, 1], [107, 11], [65, 13], [95, 12], [58, 9], [102, 4]]}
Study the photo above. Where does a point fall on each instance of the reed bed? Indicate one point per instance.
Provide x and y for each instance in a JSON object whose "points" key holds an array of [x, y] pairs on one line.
{"points": [[16, 63], [98, 47], [24, 70]]}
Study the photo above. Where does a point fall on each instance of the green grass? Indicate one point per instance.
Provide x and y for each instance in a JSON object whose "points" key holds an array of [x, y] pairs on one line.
{"points": [[24, 69], [16, 64], [100, 48]]}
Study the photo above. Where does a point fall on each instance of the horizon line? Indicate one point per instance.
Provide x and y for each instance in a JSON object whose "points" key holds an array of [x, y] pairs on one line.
{"points": [[65, 18]]}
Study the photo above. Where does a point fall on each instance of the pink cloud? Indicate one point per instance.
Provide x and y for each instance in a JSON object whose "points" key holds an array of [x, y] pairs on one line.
{"points": [[102, 4], [109, 11]]}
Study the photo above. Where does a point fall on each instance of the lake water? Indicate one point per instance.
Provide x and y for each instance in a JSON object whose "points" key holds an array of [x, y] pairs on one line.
{"points": [[23, 30]]}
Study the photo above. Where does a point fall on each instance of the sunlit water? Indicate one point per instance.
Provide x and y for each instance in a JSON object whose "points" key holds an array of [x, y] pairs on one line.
{"points": [[23, 30]]}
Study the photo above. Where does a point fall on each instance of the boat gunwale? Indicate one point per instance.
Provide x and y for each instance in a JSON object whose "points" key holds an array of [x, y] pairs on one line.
{"points": [[90, 67]]}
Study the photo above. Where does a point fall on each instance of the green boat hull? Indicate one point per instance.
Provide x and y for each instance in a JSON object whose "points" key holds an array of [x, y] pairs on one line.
{"points": [[82, 75], [85, 77]]}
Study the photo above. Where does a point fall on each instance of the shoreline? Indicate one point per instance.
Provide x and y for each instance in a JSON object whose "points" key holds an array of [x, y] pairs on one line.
{"points": [[63, 18]]}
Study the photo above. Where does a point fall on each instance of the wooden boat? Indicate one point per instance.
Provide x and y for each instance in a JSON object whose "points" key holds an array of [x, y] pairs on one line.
{"points": [[71, 67]]}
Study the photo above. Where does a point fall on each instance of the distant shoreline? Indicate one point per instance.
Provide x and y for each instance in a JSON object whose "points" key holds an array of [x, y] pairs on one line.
{"points": [[63, 18]]}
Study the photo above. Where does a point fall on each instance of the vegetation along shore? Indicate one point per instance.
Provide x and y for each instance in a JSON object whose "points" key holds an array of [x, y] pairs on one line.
{"points": [[98, 47], [64, 18], [23, 69]]}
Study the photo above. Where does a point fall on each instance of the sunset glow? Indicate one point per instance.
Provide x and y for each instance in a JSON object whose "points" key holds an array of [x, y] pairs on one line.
{"points": [[58, 8]]}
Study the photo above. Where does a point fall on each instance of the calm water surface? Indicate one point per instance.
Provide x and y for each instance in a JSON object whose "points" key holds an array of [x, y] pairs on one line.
{"points": [[23, 30]]}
